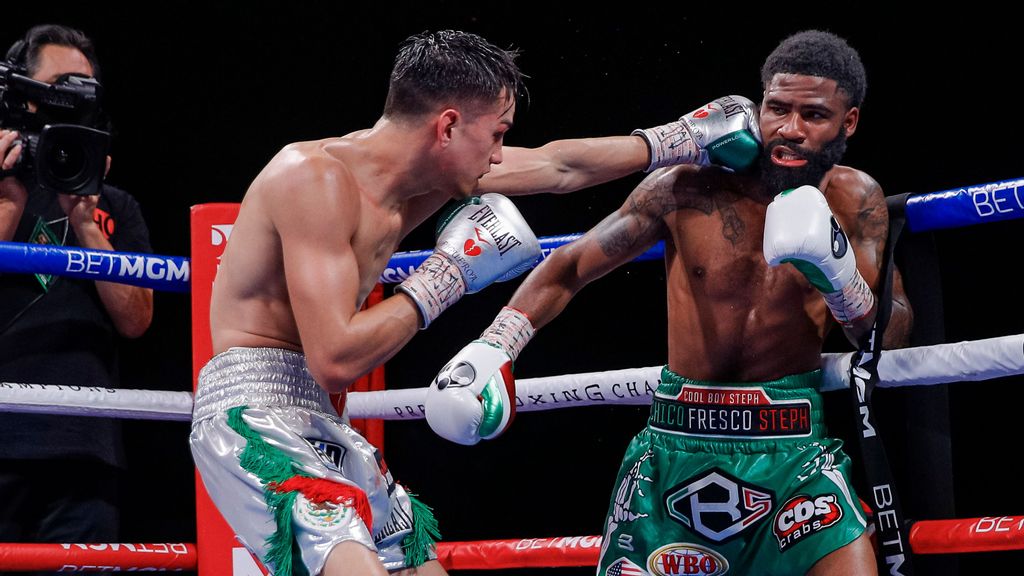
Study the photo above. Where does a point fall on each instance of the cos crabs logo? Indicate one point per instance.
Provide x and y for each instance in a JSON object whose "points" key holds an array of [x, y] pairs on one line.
{"points": [[803, 515], [685, 559]]}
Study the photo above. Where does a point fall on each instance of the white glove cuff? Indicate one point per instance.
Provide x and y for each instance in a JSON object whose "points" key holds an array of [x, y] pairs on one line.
{"points": [[434, 286], [851, 303], [510, 331], [670, 144]]}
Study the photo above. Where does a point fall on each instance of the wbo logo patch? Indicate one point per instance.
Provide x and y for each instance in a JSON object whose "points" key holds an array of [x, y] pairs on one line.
{"points": [[686, 559]]}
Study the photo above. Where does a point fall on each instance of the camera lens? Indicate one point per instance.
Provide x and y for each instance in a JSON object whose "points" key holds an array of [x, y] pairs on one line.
{"points": [[71, 159], [66, 160]]}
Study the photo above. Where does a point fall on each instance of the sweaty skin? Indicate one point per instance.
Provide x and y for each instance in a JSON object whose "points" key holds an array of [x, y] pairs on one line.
{"points": [[726, 306], [319, 223], [731, 317], [316, 229]]}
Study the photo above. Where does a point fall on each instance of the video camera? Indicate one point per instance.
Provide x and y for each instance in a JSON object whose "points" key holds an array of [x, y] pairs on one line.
{"points": [[61, 143]]}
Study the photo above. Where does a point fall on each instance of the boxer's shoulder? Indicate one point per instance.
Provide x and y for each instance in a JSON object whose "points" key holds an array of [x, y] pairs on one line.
{"points": [[853, 193], [849, 181]]}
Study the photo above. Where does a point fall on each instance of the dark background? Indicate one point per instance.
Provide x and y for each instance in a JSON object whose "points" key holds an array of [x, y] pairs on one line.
{"points": [[203, 95]]}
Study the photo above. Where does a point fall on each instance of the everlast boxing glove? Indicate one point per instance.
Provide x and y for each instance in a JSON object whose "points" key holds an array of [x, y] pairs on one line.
{"points": [[480, 241]]}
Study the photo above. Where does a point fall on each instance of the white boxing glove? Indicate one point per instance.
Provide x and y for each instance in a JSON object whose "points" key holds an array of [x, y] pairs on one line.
{"points": [[481, 240], [724, 132], [473, 397], [799, 228]]}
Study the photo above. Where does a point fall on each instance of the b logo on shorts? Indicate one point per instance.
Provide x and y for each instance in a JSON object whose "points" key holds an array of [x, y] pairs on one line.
{"points": [[717, 505], [460, 375]]}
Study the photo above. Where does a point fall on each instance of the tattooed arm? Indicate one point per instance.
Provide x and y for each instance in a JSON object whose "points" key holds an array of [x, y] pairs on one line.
{"points": [[617, 239], [901, 320], [860, 208]]}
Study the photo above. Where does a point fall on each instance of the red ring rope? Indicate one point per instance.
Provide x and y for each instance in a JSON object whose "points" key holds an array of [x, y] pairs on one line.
{"points": [[987, 534], [97, 557]]}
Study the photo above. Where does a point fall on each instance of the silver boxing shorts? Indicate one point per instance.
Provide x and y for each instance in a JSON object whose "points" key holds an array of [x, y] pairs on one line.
{"points": [[293, 414]]}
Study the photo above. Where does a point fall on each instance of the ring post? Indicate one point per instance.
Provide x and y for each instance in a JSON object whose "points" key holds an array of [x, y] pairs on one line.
{"points": [[219, 553]]}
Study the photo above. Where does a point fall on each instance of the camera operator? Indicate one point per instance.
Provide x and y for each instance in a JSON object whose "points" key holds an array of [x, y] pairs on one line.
{"points": [[58, 475]]}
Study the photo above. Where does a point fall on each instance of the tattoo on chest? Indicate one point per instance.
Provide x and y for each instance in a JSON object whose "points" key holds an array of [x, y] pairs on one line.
{"points": [[703, 204], [733, 227]]}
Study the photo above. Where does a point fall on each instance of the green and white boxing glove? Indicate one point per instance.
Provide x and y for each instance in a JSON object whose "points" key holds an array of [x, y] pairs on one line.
{"points": [[473, 397], [799, 228]]}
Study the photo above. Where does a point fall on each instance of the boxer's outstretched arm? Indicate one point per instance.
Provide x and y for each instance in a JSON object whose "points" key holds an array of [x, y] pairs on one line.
{"points": [[616, 240], [565, 165], [723, 132]]}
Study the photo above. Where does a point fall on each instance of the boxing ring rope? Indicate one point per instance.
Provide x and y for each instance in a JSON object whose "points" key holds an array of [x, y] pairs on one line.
{"points": [[953, 208], [966, 535], [979, 360], [169, 273], [175, 557], [921, 366]]}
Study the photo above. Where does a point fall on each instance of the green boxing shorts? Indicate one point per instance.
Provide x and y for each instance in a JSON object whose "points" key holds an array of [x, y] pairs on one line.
{"points": [[731, 478]]}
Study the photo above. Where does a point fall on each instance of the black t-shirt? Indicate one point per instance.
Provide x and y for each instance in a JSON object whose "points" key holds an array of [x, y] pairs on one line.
{"points": [[62, 334]]}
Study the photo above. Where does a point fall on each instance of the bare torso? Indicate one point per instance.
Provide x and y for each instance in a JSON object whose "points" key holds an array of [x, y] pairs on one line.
{"points": [[731, 317], [303, 190]]}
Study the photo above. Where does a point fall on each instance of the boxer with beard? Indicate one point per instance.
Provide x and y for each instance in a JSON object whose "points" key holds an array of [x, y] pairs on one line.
{"points": [[815, 163], [735, 472]]}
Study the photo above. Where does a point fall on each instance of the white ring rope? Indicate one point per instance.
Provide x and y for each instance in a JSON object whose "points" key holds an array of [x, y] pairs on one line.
{"points": [[922, 366], [972, 360], [94, 401]]}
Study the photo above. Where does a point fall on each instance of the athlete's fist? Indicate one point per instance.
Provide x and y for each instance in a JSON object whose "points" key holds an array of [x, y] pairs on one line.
{"points": [[799, 228], [473, 396], [724, 132], [480, 241]]}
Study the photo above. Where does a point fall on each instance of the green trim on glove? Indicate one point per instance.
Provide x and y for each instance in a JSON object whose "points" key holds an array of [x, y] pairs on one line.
{"points": [[738, 150], [448, 213], [493, 409], [813, 273]]}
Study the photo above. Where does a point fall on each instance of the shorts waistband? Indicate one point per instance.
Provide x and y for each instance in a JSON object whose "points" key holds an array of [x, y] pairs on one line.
{"points": [[787, 408], [257, 376]]}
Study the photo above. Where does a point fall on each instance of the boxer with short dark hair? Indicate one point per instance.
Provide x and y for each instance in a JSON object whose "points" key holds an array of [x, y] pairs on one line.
{"points": [[734, 472], [302, 489]]}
